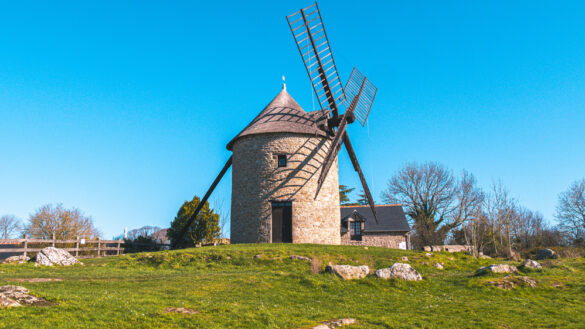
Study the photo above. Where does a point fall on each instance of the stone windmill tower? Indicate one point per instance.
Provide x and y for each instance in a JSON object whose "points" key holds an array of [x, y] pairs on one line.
{"points": [[275, 169], [285, 180]]}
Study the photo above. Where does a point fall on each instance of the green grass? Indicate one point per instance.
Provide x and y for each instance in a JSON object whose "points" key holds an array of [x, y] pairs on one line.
{"points": [[231, 289]]}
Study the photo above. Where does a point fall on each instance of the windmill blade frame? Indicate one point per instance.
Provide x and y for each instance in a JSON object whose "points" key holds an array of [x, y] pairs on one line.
{"points": [[360, 84], [311, 39], [356, 167], [202, 202]]}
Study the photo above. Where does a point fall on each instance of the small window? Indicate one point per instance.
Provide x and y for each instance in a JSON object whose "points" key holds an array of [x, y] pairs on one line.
{"points": [[356, 228], [281, 160]]}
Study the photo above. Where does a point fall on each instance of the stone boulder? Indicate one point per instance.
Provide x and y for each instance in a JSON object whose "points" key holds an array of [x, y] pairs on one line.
{"points": [[11, 296], [404, 259], [546, 254], [54, 256], [16, 260], [297, 257], [509, 282], [399, 271], [498, 268], [349, 272], [529, 263], [438, 265], [335, 324]]}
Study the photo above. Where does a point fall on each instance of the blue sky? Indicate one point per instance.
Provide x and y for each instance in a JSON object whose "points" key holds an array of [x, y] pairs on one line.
{"points": [[123, 109]]}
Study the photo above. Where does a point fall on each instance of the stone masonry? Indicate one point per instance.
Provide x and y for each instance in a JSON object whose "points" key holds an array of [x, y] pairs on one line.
{"points": [[257, 181]]}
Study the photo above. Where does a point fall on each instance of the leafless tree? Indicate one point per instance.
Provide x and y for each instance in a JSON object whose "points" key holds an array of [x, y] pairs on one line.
{"points": [[570, 212], [434, 200], [9, 226], [219, 207], [66, 224], [144, 231]]}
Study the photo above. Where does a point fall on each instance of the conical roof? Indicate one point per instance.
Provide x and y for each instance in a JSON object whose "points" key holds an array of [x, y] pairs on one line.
{"points": [[282, 115]]}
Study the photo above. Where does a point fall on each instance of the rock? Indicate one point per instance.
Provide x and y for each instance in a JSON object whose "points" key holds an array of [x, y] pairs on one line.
{"points": [[499, 268], [404, 259], [529, 263], [546, 254], [428, 248], [16, 259], [428, 254], [258, 256], [297, 257], [335, 324], [528, 281], [54, 256], [348, 272], [509, 282], [18, 296], [181, 310], [451, 258], [482, 256], [438, 265], [399, 271]]}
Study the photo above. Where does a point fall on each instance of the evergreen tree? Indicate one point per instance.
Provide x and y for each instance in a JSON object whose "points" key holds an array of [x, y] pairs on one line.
{"points": [[344, 192], [204, 229]]}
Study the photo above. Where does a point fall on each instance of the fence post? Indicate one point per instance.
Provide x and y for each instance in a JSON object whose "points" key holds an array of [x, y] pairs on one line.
{"points": [[99, 247], [25, 245], [118, 250], [76, 246]]}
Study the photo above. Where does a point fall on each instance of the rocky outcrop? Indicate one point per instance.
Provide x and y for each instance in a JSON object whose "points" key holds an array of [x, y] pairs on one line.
{"points": [[546, 254], [498, 268], [54, 256], [11, 296], [529, 263], [16, 260], [399, 271], [335, 324], [509, 282], [297, 257], [349, 272]]}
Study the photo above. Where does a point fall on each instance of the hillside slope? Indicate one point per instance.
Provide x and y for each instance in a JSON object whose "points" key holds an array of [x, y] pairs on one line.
{"points": [[228, 287]]}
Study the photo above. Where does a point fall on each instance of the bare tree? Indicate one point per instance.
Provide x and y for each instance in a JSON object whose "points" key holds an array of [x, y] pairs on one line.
{"points": [[434, 200], [470, 199], [65, 224], [224, 212], [9, 226], [571, 212], [144, 231]]}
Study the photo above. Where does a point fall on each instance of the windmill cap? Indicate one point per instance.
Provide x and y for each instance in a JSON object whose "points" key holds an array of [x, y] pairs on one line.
{"points": [[282, 115]]}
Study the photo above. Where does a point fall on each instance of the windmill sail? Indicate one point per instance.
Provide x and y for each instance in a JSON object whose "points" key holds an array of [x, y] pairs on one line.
{"points": [[359, 84], [308, 30]]}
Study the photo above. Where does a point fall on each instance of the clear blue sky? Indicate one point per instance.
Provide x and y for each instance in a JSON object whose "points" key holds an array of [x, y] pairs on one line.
{"points": [[123, 109]]}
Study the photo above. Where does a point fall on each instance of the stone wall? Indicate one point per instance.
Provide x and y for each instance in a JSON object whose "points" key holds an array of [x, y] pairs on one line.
{"points": [[257, 180], [378, 239]]}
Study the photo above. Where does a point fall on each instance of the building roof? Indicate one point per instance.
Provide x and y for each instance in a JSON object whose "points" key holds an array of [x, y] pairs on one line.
{"points": [[391, 217], [283, 114]]}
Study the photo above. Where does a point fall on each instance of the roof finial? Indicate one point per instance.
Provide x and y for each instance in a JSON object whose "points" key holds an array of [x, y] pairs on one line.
{"points": [[283, 84]]}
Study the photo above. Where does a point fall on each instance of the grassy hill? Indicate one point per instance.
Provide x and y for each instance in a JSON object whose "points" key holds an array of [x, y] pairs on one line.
{"points": [[230, 288]]}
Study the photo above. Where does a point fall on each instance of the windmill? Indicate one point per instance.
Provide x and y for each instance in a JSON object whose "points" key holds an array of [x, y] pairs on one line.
{"points": [[263, 193], [309, 33]]}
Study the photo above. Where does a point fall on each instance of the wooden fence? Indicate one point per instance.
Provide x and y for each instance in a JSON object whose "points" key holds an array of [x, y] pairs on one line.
{"points": [[87, 248]]}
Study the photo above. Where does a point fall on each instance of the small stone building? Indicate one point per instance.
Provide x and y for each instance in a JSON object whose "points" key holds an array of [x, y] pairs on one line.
{"points": [[359, 227]]}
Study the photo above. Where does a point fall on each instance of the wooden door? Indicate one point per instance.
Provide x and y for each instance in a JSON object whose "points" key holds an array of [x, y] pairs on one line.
{"points": [[281, 222]]}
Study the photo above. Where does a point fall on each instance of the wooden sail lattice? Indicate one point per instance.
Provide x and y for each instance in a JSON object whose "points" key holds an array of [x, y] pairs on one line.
{"points": [[359, 84], [310, 37]]}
